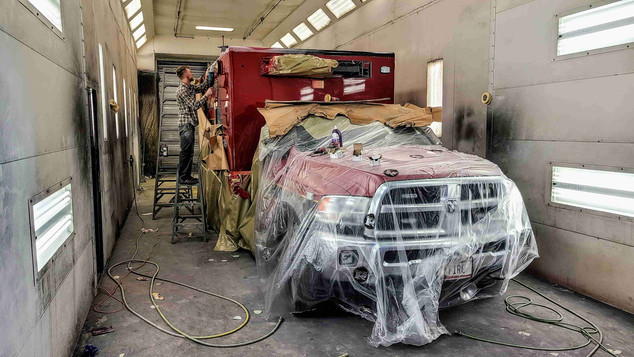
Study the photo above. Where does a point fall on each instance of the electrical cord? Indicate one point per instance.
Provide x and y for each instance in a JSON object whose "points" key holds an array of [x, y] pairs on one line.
{"points": [[515, 308]]}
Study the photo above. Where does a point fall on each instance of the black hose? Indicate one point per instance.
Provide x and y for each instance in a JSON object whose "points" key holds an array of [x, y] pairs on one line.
{"points": [[515, 308]]}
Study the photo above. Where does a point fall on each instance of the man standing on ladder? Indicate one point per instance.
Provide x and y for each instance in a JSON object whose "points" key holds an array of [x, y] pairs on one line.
{"points": [[188, 119]]}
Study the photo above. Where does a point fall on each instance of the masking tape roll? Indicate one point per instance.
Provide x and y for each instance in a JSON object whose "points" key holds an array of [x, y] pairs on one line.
{"points": [[486, 98]]}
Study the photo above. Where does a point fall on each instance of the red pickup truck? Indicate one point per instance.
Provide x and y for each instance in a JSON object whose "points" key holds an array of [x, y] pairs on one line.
{"points": [[410, 228]]}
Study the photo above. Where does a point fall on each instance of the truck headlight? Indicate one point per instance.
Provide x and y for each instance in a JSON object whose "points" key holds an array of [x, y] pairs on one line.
{"points": [[342, 210]]}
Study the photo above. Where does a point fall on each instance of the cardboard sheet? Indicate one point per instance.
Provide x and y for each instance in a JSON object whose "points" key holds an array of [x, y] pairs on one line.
{"points": [[212, 147], [280, 118]]}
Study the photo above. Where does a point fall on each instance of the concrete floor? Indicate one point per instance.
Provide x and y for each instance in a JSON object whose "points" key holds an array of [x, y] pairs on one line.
{"points": [[326, 332]]}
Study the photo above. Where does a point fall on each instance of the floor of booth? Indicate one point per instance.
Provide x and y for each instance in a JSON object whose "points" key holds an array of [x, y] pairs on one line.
{"points": [[327, 331]]}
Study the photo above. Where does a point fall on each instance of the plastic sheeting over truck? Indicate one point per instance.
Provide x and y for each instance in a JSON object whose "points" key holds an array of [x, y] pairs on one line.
{"points": [[410, 228]]}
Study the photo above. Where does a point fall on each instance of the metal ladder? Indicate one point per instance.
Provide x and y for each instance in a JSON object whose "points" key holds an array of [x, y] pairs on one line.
{"points": [[191, 201], [169, 139]]}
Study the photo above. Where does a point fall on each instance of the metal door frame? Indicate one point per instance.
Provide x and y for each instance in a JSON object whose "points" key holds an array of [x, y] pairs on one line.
{"points": [[93, 104]]}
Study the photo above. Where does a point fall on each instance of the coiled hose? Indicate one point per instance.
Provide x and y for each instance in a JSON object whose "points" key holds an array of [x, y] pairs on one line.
{"points": [[178, 332], [515, 308]]}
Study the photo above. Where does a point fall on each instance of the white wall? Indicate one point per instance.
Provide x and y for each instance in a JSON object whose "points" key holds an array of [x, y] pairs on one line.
{"points": [[575, 111], [43, 141], [184, 47], [418, 32]]}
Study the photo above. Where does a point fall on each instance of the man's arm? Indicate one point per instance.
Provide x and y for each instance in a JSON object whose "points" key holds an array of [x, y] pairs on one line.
{"points": [[200, 88], [190, 102]]}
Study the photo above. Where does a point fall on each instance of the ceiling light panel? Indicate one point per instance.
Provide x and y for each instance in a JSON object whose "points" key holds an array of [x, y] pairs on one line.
{"points": [[141, 41], [302, 31], [277, 45], [138, 33], [340, 7], [132, 8], [319, 19], [214, 28], [289, 40], [136, 21]]}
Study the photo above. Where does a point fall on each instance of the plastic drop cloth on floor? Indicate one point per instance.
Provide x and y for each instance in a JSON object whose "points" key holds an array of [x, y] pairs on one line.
{"points": [[426, 228]]}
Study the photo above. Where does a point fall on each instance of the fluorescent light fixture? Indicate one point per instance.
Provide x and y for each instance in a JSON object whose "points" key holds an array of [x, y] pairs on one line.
{"points": [[141, 41], [114, 89], [277, 45], [102, 88], [319, 19], [600, 27], [434, 83], [213, 28], [132, 8], [136, 109], [52, 224], [51, 10], [289, 40], [340, 7], [136, 21], [599, 190], [139, 32], [128, 117], [125, 110], [302, 31]]}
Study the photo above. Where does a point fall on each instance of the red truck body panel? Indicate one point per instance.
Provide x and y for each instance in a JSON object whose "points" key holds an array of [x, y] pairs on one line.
{"points": [[242, 88]]}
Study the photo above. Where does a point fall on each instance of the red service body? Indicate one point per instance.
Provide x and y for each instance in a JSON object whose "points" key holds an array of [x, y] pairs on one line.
{"points": [[242, 87]]}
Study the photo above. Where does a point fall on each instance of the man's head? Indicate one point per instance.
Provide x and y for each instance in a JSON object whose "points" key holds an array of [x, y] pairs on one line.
{"points": [[184, 74]]}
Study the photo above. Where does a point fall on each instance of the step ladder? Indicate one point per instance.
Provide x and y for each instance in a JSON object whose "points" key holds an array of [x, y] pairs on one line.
{"points": [[169, 139], [189, 210]]}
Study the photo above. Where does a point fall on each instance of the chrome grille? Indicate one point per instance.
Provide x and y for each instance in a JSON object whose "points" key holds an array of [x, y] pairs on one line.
{"points": [[431, 209]]}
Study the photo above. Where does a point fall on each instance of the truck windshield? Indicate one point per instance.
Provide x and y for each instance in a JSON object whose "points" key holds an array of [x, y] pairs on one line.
{"points": [[315, 132]]}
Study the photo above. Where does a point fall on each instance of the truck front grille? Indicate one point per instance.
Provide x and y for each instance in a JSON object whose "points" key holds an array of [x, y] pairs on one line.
{"points": [[431, 209]]}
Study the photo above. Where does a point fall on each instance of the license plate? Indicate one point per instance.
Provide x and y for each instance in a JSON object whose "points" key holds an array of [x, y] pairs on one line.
{"points": [[459, 270]]}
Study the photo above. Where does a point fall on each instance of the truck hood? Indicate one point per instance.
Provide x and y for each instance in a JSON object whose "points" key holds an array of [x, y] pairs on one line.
{"points": [[320, 175]]}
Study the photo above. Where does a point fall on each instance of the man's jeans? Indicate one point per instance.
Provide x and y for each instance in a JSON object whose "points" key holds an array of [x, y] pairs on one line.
{"points": [[185, 159]]}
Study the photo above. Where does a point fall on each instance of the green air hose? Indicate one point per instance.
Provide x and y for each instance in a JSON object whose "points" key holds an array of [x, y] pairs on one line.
{"points": [[154, 277], [515, 308], [179, 333]]}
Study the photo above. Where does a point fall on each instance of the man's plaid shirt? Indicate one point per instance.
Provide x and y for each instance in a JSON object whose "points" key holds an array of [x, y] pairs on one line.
{"points": [[187, 103]]}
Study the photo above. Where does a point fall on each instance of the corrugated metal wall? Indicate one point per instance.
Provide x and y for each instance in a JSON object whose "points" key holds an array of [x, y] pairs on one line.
{"points": [[44, 139]]}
